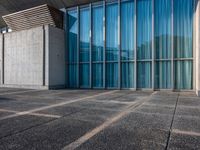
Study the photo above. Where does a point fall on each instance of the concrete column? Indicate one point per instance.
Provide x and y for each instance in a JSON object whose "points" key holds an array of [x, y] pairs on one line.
{"points": [[1, 58], [197, 48]]}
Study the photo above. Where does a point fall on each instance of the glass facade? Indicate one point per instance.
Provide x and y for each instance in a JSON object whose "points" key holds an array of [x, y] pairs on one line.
{"points": [[84, 47], [72, 52], [183, 49], [144, 43], [140, 44], [112, 46], [163, 43], [127, 44], [97, 46]]}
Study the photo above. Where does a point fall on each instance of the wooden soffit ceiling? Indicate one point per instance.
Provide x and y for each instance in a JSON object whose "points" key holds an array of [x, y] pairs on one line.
{"points": [[34, 17], [12, 6]]}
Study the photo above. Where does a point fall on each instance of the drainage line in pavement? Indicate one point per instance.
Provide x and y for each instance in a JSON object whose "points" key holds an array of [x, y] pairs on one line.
{"points": [[170, 130]]}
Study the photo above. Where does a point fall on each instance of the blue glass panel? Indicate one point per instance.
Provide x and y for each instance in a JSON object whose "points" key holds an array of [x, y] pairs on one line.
{"points": [[112, 32], [163, 75], [72, 76], [72, 36], [127, 30], [84, 75], [112, 75], [97, 72], [144, 29], [183, 27], [127, 75], [144, 76], [97, 31], [84, 35], [183, 75], [163, 29]]}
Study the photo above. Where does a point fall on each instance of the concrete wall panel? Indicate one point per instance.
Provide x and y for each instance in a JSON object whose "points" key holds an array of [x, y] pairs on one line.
{"points": [[56, 57], [23, 57], [1, 61]]}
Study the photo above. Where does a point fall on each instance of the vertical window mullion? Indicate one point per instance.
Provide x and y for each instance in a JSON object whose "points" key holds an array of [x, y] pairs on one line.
{"points": [[172, 49], [135, 43], [144, 44], [119, 44], [153, 54], [66, 49], [104, 47], [90, 53], [194, 53], [78, 48]]}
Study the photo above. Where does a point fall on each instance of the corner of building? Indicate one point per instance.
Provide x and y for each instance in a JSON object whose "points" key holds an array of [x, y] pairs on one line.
{"points": [[197, 48]]}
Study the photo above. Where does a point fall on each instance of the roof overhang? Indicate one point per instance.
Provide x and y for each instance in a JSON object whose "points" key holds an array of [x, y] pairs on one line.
{"points": [[34, 17], [12, 6]]}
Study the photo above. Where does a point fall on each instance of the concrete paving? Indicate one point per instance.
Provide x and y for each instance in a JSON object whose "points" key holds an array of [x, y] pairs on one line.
{"points": [[98, 120]]}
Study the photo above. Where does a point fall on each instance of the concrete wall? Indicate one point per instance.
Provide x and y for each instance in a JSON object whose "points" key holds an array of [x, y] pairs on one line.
{"points": [[33, 58], [23, 57], [1, 61], [57, 63]]}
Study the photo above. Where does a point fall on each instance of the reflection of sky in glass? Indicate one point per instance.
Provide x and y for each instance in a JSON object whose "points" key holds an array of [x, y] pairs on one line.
{"points": [[127, 30], [97, 33], [84, 34], [74, 23], [144, 29], [183, 12], [84, 25], [97, 26], [163, 29], [72, 36], [162, 15], [183, 16], [112, 32]]}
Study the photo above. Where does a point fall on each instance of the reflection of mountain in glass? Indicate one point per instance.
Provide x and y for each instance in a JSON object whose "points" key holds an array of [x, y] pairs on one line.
{"points": [[72, 47], [112, 53], [162, 44], [72, 36], [97, 53], [144, 50], [127, 54], [84, 51], [183, 47]]}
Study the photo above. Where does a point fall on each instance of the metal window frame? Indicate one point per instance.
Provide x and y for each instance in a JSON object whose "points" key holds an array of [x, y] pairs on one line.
{"points": [[90, 53], [82, 8], [78, 47], [153, 60], [104, 44], [75, 9], [93, 6], [65, 25], [172, 46], [107, 3], [119, 44], [153, 48], [135, 44]]}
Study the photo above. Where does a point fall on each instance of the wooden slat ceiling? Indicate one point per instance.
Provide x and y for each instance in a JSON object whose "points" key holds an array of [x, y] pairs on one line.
{"points": [[11, 6], [33, 17]]}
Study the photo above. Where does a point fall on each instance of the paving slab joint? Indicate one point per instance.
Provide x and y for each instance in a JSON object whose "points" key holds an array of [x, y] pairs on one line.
{"points": [[170, 130]]}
